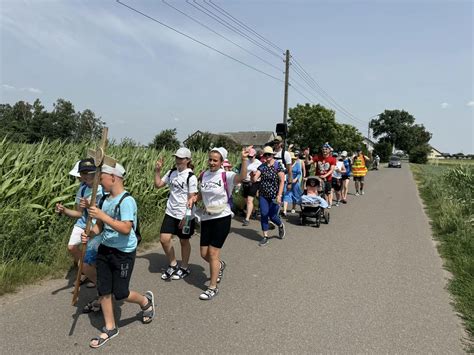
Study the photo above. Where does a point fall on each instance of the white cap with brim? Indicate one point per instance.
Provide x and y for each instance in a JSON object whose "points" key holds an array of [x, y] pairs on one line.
{"points": [[344, 153], [118, 171], [75, 171], [222, 151], [183, 153]]}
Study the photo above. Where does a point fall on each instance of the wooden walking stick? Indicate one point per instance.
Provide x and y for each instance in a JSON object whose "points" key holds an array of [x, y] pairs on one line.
{"points": [[99, 159]]}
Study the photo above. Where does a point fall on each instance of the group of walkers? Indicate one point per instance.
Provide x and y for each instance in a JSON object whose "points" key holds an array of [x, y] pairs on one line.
{"points": [[277, 180]]}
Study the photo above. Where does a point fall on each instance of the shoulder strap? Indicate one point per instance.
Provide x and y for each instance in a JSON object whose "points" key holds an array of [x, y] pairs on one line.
{"points": [[189, 177], [226, 187], [117, 206], [171, 171], [83, 190], [102, 199]]}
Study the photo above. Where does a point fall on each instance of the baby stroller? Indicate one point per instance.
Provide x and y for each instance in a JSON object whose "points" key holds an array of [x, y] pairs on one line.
{"points": [[313, 207]]}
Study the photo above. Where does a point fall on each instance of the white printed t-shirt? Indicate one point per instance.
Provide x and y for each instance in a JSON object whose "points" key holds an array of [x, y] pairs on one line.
{"points": [[252, 167], [213, 192], [338, 174], [179, 190]]}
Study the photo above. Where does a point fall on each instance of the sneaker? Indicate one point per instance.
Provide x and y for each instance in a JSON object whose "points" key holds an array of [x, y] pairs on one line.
{"points": [[264, 241], [357, 193], [329, 206], [245, 223], [281, 231], [169, 272], [221, 271], [344, 201], [284, 214], [209, 294], [362, 192], [181, 274], [293, 211], [337, 203]]}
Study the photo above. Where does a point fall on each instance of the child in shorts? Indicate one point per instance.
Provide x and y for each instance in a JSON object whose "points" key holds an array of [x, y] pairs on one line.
{"points": [[116, 223], [85, 171]]}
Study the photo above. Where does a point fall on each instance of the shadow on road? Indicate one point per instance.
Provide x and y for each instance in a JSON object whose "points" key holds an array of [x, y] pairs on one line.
{"points": [[249, 233], [70, 277]]}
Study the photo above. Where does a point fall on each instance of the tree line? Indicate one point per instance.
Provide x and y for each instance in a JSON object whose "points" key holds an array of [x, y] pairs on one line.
{"points": [[308, 126], [28, 123]]}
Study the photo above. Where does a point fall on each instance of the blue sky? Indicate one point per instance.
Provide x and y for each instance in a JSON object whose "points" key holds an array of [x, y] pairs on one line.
{"points": [[141, 77]]}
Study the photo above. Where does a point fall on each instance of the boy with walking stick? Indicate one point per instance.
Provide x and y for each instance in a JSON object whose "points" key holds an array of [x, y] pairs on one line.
{"points": [[116, 223]]}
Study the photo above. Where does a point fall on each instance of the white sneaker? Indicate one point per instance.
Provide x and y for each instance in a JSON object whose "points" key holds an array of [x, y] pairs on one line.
{"points": [[362, 192], [209, 294], [293, 211], [357, 194]]}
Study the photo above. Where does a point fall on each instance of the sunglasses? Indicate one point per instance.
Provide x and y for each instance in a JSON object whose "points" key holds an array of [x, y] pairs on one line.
{"points": [[250, 156], [268, 155]]}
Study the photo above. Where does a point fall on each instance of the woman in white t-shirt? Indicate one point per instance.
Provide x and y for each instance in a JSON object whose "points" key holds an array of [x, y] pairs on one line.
{"points": [[179, 207], [216, 187]]}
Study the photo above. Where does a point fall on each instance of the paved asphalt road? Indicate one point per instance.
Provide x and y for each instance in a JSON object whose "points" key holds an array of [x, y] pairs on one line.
{"points": [[369, 282]]}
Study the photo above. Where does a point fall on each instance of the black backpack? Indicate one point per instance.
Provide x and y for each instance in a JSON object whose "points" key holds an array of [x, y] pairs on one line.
{"points": [[117, 214]]}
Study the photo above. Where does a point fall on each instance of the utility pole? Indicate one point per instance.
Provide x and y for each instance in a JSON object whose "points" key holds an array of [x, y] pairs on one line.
{"points": [[368, 130], [285, 101]]}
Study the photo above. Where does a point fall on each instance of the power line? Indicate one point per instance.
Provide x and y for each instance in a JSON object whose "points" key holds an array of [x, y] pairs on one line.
{"points": [[298, 72], [220, 35], [243, 25], [229, 26], [198, 41], [318, 88]]}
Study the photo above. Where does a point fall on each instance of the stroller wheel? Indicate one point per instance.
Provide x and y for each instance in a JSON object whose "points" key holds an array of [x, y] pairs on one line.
{"points": [[327, 217]]}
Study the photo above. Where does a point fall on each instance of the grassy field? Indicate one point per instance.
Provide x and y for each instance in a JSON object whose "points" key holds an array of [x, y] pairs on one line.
{"points": [[448, 195], [34, 177]]}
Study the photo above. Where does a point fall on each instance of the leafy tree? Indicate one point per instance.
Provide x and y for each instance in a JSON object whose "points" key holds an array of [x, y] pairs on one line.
{"points": [[392, 125], [166, 139], [419, 154], [313, 125], [24, 122], [89, 127], [202, 142], [348, 138], [383, 150]]}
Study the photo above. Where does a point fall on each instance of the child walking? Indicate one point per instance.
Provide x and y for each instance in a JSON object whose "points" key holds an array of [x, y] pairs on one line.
{"points": [[116, 255], [183, 188], [85, 171]]}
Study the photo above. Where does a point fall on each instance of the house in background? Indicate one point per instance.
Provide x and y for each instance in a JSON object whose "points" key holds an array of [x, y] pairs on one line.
{"points": [[369, 144], [435, 154], [255, 138]]}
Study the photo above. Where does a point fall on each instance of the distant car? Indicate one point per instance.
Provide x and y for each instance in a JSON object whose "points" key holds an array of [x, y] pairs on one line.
{"points": [[394, 162]]}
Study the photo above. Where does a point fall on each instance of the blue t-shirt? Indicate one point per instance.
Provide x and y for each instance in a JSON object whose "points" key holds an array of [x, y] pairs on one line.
{"points": [[347, 165], [127, 212], [85, 191]]}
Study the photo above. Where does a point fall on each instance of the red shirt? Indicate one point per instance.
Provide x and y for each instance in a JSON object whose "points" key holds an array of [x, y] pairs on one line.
{"points": [[323, 165]]}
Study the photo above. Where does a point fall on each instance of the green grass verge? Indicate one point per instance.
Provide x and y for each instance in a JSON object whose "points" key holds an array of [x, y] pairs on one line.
{"points": [[448, 196]]}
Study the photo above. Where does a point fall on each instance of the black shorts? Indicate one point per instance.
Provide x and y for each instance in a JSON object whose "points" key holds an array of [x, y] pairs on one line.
{"points": [[250, 189], [214, 232], [114, 270], [336, 184], [326, 188], [170, 225], [358, 178], [345, 177]]}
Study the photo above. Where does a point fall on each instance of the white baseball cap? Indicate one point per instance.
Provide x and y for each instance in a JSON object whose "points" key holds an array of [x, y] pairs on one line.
{"points": [[222, 151], [183, 153], [344, 153], [75, 170], [118, 171]]}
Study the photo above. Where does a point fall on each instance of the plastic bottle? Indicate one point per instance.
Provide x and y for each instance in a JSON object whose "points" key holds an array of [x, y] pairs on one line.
{"points": [[187, 221]]}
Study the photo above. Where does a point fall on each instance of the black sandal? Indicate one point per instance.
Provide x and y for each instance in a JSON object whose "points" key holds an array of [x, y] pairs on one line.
{"points": [[92, 306], [112, 333], [149, 314]]}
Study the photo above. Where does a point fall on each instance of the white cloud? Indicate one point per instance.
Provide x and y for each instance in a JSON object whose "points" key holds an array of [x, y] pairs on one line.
{"points": [[33, 90], [470, 103], [445, 105], [30, 90]]}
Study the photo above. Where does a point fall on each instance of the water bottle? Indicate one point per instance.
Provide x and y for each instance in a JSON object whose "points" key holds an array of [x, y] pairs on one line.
{"points": [[187, 221]]}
